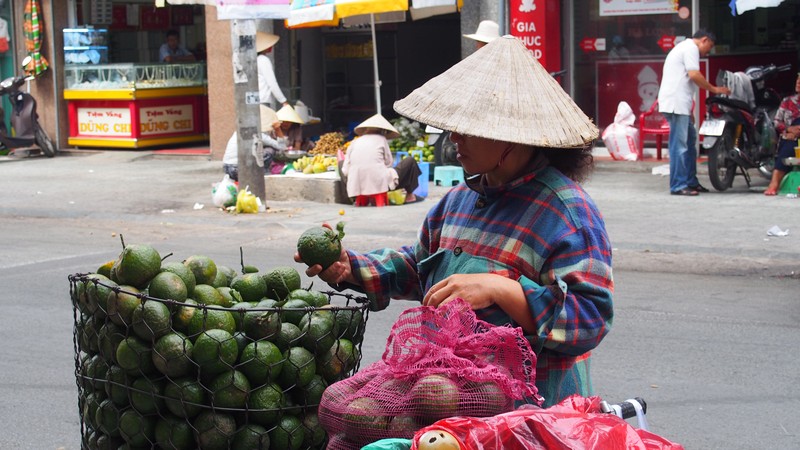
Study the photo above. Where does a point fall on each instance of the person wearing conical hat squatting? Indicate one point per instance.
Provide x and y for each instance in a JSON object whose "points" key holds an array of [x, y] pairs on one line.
{"points": [[486, 32], [271, 143], [269, 91], [520, 239], [288, 127], [367, 166]]}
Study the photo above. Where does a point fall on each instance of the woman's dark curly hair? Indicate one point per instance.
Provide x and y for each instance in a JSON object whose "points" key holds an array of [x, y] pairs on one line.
{"points": [[576, 163]]}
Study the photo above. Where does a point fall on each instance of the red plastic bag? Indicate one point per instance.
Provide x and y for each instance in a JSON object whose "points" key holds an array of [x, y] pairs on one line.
{"points": [[575, 423]]}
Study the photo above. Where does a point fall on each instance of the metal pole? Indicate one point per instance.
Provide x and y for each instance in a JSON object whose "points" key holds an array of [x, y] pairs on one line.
{"points": [[245, 89], [375, 63]]}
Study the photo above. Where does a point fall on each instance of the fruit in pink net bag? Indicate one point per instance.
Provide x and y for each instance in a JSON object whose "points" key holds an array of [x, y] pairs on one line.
{"points": [[364, 416], [435, 397]]}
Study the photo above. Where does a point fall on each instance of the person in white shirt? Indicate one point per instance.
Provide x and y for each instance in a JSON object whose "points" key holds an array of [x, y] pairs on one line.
{"points": [[679, 83], [269, 92]]}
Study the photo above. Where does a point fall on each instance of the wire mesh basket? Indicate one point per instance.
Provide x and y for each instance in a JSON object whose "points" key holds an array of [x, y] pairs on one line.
{"points": [[154, 373]]}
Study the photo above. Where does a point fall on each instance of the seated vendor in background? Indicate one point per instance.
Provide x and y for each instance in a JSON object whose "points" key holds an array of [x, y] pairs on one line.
{"points": [[288, 128], [172, 50], [368, 162], [271, 144]]}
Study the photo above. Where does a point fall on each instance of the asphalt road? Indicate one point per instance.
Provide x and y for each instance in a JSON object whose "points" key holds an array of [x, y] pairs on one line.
{"points": [[706, 303]]}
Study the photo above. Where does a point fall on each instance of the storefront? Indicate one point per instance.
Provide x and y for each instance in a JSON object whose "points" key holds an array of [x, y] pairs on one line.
{"points": [[119, 93], [618, 47]]}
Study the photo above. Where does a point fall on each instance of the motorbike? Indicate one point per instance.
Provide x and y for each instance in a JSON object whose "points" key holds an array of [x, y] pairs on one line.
{"points": [[27, 131], [738, 132]]}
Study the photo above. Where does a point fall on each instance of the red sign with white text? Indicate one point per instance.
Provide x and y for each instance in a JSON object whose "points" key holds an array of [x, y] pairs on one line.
{"points": [[537, 24], [666, 43]]}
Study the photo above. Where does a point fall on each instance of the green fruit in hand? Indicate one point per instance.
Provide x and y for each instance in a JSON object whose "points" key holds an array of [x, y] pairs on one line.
{"points": [[321, 245]]}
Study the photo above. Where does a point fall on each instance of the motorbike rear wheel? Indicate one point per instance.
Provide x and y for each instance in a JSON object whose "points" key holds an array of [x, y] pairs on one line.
{"points": [[43, 141], [721, 169], [445, 151]]}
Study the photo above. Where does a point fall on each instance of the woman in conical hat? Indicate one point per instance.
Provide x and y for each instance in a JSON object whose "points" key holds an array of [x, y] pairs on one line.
{"points": [[269, 91], [520, 240], [368, 163], [289, 127]]}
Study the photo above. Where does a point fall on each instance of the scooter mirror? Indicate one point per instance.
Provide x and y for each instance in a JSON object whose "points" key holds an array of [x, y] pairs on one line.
{"points": [[27, 60]]}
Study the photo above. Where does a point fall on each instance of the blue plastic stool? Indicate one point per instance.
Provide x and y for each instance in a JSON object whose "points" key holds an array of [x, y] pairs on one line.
{"points": [[422, 189], [446, 175]]}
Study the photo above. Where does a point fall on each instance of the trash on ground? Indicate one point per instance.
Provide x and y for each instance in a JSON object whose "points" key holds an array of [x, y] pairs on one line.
{"points": [[776, 231], [661, 170]]}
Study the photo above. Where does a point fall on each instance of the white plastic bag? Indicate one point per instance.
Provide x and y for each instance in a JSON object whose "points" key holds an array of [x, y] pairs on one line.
{"points": [[621, 137], [223, 194]]}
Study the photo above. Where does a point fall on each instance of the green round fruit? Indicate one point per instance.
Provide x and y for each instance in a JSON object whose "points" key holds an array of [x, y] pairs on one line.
{"points": [[136, 429], [289, 434], [168, 286], [203, 268], [319, 245], [172, 355], [147, 395], [121, 305], [137, 264], [281, 281], [298, 368], [294, 316], [262, 321], [318, 331], [315, 434], [210, 319], [135, 356], [184, 272], [184, 397], [250, 437], [117, 385], [107, 418], [208, 295], [250, 286], [261, 361], [108, 338], [313, 298], [340, 359], [229, 390], [215, 351], [151, 320], [289, 336], [215, 431], [174, 433], [266, 404]]}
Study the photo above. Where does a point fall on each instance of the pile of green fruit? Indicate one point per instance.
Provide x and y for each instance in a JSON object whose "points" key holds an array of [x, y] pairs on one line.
{"points": [[191, 354]]}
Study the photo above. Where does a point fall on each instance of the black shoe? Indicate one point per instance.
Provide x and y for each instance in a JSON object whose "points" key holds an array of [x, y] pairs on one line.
{"points": [[685, 191], [698, 188]]}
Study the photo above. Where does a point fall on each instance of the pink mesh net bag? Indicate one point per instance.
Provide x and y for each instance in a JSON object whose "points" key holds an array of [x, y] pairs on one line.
{"points": [[439, 362]]}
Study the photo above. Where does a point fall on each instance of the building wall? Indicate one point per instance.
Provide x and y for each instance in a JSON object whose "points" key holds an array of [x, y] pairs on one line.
{"points": [[221, 104]]}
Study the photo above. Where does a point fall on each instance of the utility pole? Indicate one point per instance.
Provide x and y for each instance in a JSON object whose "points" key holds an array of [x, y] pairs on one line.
{"points": [[245, 89]]}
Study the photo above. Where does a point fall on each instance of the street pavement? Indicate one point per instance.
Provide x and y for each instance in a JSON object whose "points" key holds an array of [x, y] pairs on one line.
{"points": [[707, 305]]}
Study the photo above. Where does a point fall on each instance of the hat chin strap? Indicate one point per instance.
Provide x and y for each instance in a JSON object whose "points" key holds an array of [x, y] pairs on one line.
{"points": [[504, 155]]}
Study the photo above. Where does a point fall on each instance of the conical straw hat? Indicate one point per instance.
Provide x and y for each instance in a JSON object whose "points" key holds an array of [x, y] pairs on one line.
{"points": [[288, 114], [377, 121], [501, 92], [265, 40], [268, 117]]}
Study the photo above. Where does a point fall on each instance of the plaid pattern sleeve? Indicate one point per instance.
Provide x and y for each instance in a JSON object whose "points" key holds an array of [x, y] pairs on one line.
{"points": [[386, 274]]}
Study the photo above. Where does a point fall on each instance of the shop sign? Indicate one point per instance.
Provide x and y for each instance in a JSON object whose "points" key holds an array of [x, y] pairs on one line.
{"points": [[537, 24], [668, 42], [173, 119], [100, 121], [593, 44], [637, 7]]}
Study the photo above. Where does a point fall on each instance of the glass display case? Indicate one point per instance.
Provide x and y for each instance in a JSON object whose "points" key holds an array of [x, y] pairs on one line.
{"points": [[134, 76], [131, 105], [85, 45]]}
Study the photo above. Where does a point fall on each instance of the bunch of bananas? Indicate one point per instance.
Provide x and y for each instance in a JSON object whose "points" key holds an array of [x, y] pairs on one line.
{"points": [[314, 164], [328, 144]]}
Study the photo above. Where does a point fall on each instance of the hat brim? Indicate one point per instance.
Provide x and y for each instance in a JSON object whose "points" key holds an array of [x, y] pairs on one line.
{"points": [[379, 122], [288, 114], [265, 41], [503, 93], [480, 37]]}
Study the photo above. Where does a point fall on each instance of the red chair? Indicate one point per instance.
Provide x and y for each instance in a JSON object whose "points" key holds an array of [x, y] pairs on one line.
{"points": [[652, 122], [381, 199]]}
